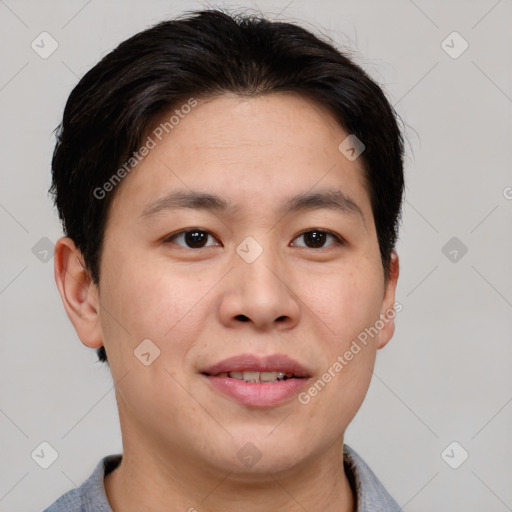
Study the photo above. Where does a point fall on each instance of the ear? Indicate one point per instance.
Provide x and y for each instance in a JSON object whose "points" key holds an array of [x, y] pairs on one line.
{"points": [[78, 292], [388, 311]]}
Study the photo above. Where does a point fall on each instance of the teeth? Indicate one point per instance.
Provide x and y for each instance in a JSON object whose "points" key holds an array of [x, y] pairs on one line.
{"points": [[270, 376], [256, 377]]}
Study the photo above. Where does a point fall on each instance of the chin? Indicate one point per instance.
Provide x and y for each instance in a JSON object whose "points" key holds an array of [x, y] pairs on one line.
{"points": [[262, 470], [260, 454]]}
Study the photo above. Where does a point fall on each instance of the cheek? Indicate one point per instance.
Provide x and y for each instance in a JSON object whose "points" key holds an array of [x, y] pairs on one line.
{"points": [[348, 304], [346, 301], [351, 302], [141, 301]]}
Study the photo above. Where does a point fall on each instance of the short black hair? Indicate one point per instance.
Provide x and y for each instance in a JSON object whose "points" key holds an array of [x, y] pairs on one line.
{"points": [[204, 54]]}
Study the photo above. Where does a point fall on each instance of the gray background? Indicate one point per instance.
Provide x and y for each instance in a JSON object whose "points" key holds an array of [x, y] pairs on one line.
{"points": [[446, 375]]}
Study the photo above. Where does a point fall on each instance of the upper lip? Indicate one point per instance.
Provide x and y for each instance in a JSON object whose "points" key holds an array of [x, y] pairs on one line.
{"points": [[254, 363]]}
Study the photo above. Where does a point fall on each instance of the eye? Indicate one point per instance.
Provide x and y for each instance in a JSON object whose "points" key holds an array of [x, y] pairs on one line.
{"points": [[315, 238], [193, 238]]}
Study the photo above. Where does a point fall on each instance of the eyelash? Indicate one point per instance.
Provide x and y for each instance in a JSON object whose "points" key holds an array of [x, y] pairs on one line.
{"points": [[338, 239]]}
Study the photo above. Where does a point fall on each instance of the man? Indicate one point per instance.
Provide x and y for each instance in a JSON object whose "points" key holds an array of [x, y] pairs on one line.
{"points": [[230, 190]]}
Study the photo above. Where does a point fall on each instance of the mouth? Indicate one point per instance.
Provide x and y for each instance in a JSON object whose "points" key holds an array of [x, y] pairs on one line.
{"points": [[257, 376], [257, 381]]}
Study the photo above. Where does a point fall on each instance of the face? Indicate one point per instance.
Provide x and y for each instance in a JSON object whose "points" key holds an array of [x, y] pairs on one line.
{"points": [[277, 270]]}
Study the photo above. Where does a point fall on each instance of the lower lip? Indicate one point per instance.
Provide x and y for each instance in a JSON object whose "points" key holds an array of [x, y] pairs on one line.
{"points": [[267, 394]]}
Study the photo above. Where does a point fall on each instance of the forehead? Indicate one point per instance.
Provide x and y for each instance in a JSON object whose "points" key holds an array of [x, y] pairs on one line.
{"points": [[253, 151], [269, 122]]}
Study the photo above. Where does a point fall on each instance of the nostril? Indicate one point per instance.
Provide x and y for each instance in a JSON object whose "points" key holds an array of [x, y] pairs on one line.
{"points": [[242, 318]]}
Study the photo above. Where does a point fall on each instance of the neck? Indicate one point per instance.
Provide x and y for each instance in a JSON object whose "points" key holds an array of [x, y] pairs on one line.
{"points": [[154, 476], [145, 480]]}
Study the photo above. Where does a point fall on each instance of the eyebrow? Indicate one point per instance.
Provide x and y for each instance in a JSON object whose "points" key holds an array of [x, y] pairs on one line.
{"points": [[197, 200]]}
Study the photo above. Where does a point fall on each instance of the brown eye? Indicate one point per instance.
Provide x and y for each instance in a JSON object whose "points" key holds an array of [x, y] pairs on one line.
{"points": [[193, 238], [316, 238]]}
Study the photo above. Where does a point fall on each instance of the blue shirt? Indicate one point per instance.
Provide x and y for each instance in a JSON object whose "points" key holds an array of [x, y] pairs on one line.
{"points": [[91, 497]]}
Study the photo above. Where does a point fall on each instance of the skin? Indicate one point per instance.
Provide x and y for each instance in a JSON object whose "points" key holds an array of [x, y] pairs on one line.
{"points": [[180, 436]]}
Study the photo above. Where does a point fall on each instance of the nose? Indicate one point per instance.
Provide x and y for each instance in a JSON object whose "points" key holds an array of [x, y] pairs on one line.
{"points": [[260, 293]]}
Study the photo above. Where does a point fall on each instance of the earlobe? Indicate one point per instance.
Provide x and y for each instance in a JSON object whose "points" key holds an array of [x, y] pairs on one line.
{"points": [[78, 292], [388, 311]]}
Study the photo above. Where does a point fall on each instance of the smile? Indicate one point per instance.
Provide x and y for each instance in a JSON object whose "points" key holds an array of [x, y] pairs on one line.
{"points": [[256, 377]]}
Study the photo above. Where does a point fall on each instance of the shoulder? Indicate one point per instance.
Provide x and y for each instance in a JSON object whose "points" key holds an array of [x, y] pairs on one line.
{"points": [[90, 496], [371, 494]]}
